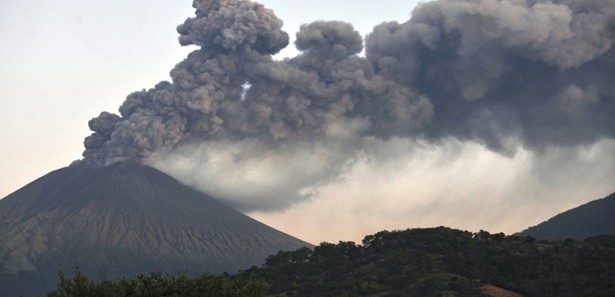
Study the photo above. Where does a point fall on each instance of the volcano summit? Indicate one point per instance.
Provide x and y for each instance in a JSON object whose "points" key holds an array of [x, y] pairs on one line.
{"points": [[122, 220]]}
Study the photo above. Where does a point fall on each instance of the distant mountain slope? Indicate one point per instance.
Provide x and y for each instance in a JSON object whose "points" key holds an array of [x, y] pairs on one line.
{"points": [[122, 220], [590, 219]]}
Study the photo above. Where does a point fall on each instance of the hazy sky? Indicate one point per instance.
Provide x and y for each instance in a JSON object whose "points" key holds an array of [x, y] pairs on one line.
{"points": [[65, 62]]}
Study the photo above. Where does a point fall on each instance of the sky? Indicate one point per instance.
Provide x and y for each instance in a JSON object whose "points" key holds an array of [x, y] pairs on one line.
{"points": [[64, 63]]}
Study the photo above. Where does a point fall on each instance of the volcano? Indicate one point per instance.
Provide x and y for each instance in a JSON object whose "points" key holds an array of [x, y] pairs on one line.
{"points": [[122, 220]]}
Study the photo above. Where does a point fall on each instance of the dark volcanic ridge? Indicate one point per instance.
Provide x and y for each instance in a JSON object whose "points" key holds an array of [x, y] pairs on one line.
{"points": [[122, 220], [591, 219]]}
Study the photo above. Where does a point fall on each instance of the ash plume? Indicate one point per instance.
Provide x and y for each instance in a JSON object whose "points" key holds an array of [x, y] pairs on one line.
{"points": [[506, 74], [287, 100], [537, 71]]}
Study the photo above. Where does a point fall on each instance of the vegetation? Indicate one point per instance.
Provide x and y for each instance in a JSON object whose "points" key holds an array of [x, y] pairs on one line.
{"points": [[159, 285], [417, 262], [444, 262]]}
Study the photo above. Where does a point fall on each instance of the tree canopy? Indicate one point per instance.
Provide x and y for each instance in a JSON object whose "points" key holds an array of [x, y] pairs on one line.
{"points": [[414, 262]]}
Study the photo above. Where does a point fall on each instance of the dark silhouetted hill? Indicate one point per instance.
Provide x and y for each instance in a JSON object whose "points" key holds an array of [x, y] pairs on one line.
{"points": [[122, 220], [444, 262], [417, 262], [591, 219]]}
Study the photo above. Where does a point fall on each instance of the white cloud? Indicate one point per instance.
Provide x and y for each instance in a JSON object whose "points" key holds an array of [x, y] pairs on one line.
{"points": [[342, 186], [461, 185]]}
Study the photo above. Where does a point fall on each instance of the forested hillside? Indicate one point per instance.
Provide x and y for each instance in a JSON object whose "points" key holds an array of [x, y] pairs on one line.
{"points": [[427, 262], [432, 262]]}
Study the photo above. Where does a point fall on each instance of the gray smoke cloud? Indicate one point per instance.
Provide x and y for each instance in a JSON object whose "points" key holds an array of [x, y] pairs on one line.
{"points": [[504, 74], [287, 100], [537, 71]]}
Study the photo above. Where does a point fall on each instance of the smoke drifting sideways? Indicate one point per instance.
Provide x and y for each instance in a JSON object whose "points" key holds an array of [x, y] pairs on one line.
{"points": [[266, 134]]}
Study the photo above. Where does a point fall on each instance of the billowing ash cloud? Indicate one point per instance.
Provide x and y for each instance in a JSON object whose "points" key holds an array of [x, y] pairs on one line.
{"points": [[533, 70], [504, 74], [287, 100]]}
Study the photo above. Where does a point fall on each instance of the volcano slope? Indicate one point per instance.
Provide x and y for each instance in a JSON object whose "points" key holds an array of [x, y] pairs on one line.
{"points": [[122, 220], [590, 219]]}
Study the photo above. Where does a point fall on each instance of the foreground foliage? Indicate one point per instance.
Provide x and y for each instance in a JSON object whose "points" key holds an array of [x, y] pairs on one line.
{"points": [[417, 262], [159, 285]]}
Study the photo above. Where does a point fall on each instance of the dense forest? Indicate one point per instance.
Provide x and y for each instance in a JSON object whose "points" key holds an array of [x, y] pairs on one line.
{"points": [[415, 262], [159, 285]]}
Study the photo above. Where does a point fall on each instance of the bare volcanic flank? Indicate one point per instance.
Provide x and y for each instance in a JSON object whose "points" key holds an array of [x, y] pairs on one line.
{"points": [[122, 220]]}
